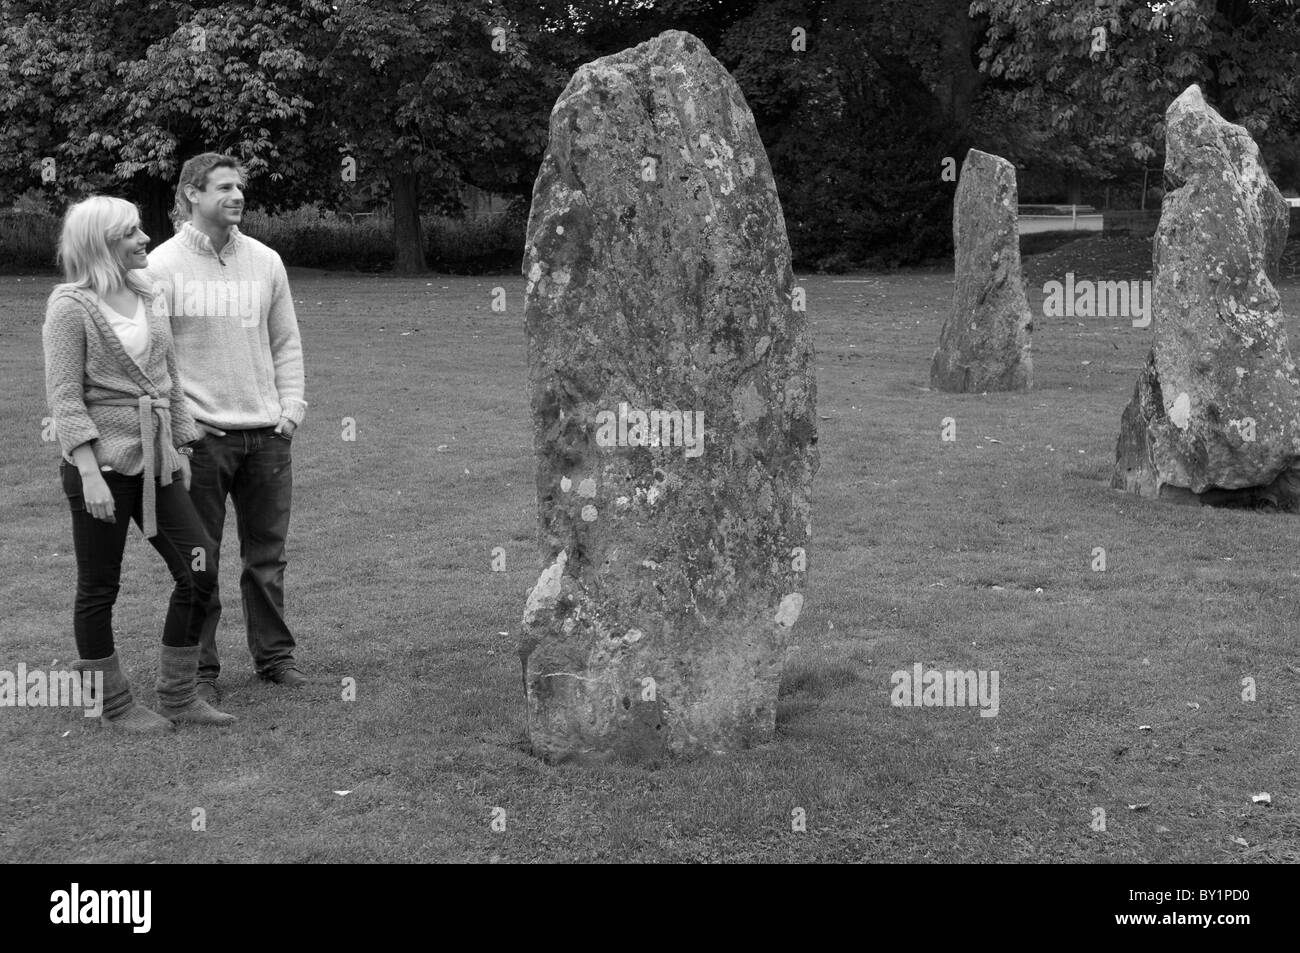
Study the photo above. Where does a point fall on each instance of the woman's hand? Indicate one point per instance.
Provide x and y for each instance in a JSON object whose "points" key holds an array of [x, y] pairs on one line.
{"points": [[97, 497], [185, 471]]}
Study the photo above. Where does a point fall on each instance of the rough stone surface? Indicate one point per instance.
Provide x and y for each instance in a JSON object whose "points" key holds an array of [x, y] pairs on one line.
{"points": [[984, 345], [1219, 371], [659, 278]]}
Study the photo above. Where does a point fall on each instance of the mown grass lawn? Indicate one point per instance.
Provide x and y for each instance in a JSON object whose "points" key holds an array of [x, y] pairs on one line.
{"points": [[390, 584]]}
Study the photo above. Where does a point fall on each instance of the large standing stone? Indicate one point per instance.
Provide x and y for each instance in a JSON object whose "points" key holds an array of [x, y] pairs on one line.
{"points": [[984, 345], [1215, 409], [659, 280]]}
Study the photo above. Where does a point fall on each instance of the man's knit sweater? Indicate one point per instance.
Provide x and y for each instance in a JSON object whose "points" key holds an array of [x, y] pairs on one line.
{"points": [[236, 331], [85, 364]]}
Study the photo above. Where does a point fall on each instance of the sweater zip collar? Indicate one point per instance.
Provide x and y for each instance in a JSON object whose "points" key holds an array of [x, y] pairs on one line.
{"points": [[199, 242]]}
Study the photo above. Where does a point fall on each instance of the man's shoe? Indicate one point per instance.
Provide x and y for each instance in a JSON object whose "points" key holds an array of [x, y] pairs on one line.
{"points": [[288, 676], [208, 692]]}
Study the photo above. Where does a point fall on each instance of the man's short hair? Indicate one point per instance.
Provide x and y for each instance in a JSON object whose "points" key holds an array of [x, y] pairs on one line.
{"points": [[195, 172]]}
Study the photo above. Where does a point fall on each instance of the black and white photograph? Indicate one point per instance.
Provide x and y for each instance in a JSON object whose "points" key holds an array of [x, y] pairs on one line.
{"points": [[651, 432]]}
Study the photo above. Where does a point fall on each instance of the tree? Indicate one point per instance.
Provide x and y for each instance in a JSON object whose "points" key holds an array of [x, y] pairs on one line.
{"points": [[858, 118], [1088, 81], [435, 95], [117, 97]]}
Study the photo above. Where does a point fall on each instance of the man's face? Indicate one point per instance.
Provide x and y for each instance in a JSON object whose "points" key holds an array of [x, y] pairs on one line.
{"points": [[221, 201]]}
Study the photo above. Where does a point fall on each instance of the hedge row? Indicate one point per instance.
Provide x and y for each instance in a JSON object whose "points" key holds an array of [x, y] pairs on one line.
{"points": [[305, 239]]}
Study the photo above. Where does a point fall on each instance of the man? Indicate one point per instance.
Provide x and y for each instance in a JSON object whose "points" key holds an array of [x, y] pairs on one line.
{"points": [[240, 360]]}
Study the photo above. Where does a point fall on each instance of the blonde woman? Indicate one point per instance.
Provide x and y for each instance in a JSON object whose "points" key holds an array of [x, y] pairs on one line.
{"points": [[122, 423]]}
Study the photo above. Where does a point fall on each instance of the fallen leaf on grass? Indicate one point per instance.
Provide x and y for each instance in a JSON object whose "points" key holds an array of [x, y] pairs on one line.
{"points": [[1194, 706], [1241, 841], [1144, 727], [1139, 807], [342, 793]]}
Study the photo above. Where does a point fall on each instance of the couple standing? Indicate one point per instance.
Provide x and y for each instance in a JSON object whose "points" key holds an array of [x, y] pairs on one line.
{"points": [[175, 380]]}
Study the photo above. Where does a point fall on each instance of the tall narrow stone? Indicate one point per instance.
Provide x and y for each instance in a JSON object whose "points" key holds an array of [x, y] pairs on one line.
{"points": [[1215, 415], [984, 344], [674, 416]]}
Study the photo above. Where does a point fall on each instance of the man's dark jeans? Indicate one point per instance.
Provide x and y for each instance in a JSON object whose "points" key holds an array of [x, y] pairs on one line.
{"points": [[182, 541], [254, 469]]}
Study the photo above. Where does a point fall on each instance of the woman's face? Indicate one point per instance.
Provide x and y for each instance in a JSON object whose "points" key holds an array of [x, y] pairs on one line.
{"points": [[129, 250]]}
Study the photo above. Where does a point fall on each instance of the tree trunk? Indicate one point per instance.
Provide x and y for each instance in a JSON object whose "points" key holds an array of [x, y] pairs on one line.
{"points": [[945, 109], [959, 54], [155, 198], [408, 234]]}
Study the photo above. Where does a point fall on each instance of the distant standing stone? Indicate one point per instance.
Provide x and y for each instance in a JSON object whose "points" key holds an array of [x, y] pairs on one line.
{"points": [[984, 345], [674, 416], [1215, 415]]}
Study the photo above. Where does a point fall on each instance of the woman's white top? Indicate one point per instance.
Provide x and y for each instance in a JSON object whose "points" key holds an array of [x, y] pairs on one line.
{"points": [[133, 332]]}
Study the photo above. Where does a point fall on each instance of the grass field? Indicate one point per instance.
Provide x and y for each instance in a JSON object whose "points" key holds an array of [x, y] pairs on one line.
{"points": [[924, 551]]}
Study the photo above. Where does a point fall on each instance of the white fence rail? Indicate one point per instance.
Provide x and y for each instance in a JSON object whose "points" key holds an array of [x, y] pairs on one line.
{"points": [[1058, 218]]}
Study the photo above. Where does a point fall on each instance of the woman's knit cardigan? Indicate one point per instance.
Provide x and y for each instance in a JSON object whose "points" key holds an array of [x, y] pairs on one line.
{"points": [[87, 366]]}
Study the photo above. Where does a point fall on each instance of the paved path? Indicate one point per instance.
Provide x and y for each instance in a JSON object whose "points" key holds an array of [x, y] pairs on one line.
{"points": [[1029, 224]]}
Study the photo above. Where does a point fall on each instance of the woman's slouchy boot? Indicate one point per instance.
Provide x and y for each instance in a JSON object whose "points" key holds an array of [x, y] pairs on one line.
{"points": [[120, 709], [178, 698]]}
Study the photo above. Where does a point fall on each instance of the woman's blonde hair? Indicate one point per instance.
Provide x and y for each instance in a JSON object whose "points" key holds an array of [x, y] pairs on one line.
{"points": [[89, 227]]}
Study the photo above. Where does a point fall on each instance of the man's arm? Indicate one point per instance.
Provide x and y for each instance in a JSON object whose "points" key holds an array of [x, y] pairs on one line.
{"points": [[286, 348], [184, 428]]}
